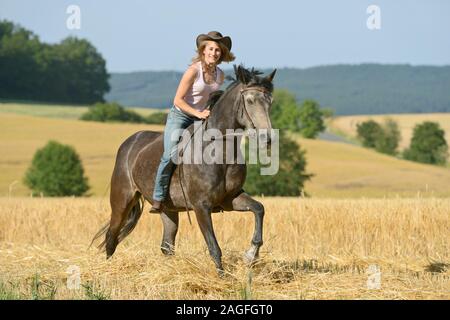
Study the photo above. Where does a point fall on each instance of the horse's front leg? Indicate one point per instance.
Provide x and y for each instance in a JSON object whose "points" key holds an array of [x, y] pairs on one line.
{"points": [[243, 202], [203, 215], [170, 223]]}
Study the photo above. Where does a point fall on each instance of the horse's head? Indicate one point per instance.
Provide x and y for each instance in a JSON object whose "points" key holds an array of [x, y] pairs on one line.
{"points": [[255, 101]]}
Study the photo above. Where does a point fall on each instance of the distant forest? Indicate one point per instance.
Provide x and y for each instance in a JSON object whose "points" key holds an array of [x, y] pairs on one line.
{"points": [[71, 71], [347, 89]]}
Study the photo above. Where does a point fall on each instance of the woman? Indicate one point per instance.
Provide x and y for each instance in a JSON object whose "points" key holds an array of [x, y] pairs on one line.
{"points": [[201, 78]]}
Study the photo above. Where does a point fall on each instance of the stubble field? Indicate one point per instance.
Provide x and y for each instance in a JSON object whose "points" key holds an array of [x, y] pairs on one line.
{"points": [[313, 249]]}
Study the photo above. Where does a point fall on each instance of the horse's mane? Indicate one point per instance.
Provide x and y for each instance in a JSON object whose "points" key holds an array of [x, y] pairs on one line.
{"points": [[242, 76], [249, 78]]}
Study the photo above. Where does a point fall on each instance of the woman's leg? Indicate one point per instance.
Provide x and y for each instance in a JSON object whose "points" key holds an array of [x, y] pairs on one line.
{"points": [[176, 121]]}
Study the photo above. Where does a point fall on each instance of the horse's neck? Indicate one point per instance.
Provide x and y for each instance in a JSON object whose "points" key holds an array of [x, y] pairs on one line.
{"points": [[223, 115]]}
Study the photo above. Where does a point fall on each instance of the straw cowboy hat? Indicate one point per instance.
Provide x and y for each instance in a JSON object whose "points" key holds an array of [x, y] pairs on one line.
{"points": [[215, 36]]}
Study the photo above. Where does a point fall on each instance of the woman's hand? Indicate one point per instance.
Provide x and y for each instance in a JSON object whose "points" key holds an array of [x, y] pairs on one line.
{"points": [[202, 114]]}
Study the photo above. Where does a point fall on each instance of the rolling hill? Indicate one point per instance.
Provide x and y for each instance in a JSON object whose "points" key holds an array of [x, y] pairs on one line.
{"points": [[347, 171], [341, 170], [96, 143]]}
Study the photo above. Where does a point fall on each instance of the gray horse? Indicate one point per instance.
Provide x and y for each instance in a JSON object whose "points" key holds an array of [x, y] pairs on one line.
{"points": [[204, 188]]}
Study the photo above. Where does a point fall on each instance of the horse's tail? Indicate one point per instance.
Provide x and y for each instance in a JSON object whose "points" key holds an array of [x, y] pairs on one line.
{"points": [[100, 233], [132, 220]]}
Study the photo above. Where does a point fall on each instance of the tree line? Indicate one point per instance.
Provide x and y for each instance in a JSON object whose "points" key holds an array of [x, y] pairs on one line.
{"points": [[71, 71], [350, 89]]}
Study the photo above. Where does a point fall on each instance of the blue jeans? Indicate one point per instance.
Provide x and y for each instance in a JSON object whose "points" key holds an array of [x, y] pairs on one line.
{"points": [[176, 120]]}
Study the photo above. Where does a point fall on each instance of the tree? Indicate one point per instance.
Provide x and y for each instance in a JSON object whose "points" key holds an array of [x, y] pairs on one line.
{"points": [[56, 170], [290, 178], [311, 119], [428, 144], [111, 112], [84, 70], [19, 70], [308, 119], [368, 132], [284, 112], [388, 138]]}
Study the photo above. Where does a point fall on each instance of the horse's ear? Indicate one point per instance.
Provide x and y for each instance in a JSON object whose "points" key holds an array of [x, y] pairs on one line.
{"points": [[242, 75], [272, 75]]}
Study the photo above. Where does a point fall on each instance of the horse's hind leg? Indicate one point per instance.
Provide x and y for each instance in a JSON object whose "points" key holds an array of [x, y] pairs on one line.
{"points": [[121, 204], [243, 202], [170, 222]]}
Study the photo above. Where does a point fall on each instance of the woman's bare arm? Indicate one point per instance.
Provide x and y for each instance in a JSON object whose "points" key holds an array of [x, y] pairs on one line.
{"points": [[186, 82]]}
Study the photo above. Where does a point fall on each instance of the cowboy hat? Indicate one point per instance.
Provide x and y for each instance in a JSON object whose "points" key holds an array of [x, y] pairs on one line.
{"points": [[214, 36]]}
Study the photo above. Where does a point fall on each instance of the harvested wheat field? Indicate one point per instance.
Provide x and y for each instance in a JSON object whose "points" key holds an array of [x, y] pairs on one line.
{"points": [[314, 249]]}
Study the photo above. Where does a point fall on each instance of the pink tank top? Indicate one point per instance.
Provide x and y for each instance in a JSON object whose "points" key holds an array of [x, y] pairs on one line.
{"points": [[197, 96]]}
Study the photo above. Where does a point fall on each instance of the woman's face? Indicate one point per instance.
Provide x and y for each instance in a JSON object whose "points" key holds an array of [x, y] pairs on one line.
{"points": [[211, 53]]}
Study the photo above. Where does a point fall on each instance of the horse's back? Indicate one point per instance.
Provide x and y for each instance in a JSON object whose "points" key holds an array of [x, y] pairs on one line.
{"points": [[130, 150], [131, 147]]}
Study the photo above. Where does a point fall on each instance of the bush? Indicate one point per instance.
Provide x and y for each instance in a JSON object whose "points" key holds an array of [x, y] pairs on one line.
{"points": [[290, 179], [368, 132], [156, 118], [428, 144], [327, 113], [111, 112], [384, 139], [389, 138], [56, 170]]}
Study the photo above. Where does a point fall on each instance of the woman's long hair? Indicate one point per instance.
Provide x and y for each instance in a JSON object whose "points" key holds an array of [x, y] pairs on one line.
{"points": [[226, 55]]}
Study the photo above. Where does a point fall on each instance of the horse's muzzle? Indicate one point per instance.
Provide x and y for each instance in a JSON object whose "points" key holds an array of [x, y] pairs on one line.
{"points": [[264, 137]]}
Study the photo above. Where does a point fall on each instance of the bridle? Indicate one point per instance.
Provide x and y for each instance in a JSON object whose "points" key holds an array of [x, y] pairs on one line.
{"points": [[250, 88], [241, 106]]}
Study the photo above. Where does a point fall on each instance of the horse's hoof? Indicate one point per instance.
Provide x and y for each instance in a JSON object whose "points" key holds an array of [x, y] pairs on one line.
{"points": [[167, 249], [250, 258], [221, 273], [167, 252]]}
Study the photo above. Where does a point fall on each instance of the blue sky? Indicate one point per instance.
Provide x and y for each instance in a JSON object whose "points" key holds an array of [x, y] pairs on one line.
{"points": [[137, 35]]}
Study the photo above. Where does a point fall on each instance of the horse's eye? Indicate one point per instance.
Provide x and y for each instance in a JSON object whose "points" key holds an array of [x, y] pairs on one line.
{"points": [[249, 100]]}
